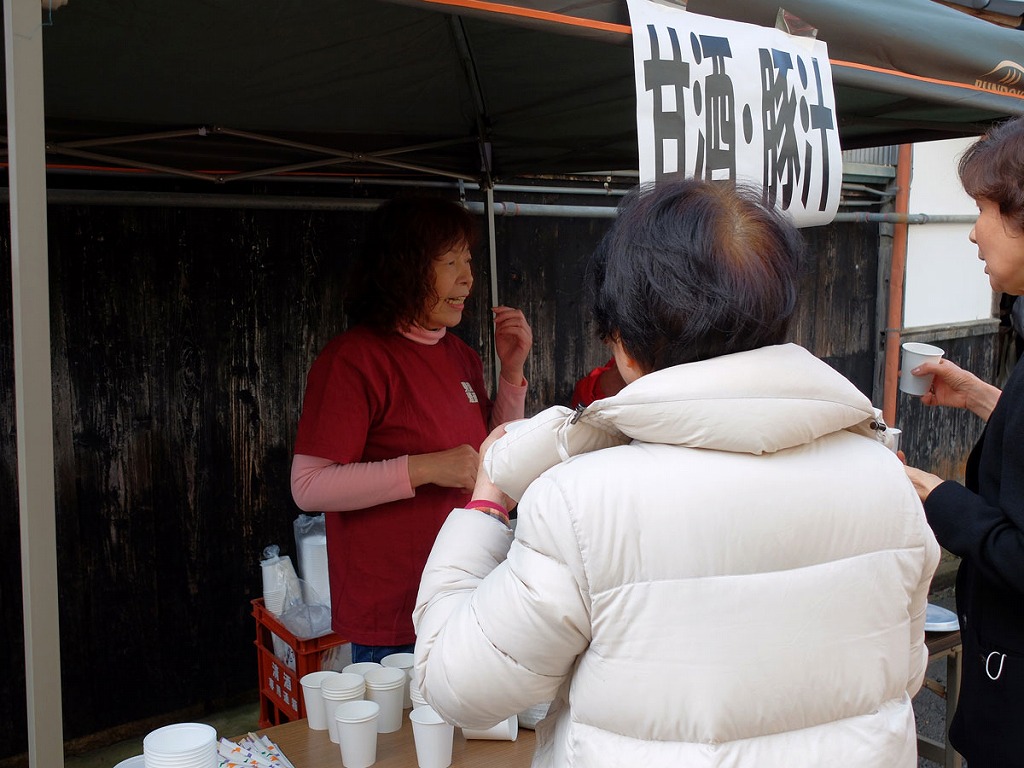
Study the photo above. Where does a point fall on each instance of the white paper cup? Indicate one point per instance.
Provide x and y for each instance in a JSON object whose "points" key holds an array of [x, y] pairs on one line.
{"points": [[315, 715], [386, 686], [506, 730], [404, 662], [357, 733], [415, 696], [529, 718], [914, 354], [433, 737], [334, 690], [894, 436], [361, 667]]}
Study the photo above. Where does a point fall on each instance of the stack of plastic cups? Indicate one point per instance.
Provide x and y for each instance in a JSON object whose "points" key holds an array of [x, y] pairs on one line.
{"points": [[404, 662], [386, 686], [184, 745], [336, 689]]}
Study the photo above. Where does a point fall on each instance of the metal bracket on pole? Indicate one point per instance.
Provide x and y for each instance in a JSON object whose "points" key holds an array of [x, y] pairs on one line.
{"points": [[492, 249]]}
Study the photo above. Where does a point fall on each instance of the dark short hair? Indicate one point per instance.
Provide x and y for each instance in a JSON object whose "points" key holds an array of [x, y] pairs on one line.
{"points": [[391, 278], [692, 270], [993, 168]]}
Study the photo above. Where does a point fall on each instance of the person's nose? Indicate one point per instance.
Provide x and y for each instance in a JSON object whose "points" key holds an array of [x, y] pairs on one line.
{"points": [[466, 274]]}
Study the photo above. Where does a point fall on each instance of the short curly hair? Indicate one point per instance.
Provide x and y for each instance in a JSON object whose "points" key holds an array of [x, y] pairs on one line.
{"points": [[692, 270], [993, 168], [391, 278]]}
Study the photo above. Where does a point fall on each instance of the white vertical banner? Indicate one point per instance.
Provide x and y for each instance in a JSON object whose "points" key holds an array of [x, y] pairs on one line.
{"points": [[723, 100]]}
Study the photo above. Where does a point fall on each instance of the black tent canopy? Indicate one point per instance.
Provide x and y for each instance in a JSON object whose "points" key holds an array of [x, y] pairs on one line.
{"points": [[463, 88]]}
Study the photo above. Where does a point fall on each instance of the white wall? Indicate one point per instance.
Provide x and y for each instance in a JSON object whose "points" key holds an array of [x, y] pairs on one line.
{"points": [[945, 282]]}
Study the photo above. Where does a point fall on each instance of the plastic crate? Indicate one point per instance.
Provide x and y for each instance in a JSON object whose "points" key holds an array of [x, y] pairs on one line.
{"points": [[280, 691]]}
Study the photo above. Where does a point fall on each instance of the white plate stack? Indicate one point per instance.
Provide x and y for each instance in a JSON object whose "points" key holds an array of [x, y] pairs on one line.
{"points": [[182, 745]]}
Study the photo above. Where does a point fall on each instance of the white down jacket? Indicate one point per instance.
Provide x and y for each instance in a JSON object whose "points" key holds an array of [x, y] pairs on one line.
{"points": [[722, 565]]}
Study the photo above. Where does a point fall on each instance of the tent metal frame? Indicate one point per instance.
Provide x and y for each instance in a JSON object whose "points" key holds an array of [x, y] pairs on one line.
{"points": [[333, 156], [33, 381]]}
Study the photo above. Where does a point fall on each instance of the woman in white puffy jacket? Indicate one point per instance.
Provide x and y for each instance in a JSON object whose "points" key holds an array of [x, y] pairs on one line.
{"points": [[723, 564]]}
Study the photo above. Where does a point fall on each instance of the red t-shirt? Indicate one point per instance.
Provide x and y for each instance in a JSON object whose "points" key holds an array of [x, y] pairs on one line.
{"points": [[588, 389], [371, 397]]}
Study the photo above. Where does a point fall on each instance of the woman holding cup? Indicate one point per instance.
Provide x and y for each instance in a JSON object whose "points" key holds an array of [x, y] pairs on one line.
{"points": [[722, 564], [982, 521]]}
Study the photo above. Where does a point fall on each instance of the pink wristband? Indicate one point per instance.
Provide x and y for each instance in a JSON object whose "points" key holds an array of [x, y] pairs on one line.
{"points": [[489, 507]]}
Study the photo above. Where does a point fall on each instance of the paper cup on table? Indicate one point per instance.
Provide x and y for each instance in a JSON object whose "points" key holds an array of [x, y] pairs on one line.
{"points": [[361, 667], [386, 686], [334, 690], [914, 354], [433, 738], [357, 732], [401, 661], [311, 696], [506, 730]]}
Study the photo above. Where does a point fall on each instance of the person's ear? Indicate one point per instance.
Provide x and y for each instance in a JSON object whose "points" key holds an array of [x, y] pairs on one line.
{"points": [[628, 367]]}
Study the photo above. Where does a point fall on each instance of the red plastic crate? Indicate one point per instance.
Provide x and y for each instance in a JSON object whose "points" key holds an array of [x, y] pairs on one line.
{"points": [[280, 692]]}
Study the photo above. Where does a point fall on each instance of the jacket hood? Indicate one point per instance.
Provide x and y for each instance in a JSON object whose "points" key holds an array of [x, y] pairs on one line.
{"points": [[760, 401]]}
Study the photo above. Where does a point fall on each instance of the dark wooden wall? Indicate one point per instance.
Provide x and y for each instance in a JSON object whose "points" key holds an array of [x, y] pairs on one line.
{"points": [[181, 339]]}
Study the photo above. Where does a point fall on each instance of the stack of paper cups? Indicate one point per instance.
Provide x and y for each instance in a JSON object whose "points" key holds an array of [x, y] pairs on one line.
{"points": [[336, 689], [401, 661], [273, 585], [416, 696], [386, 686], [313, 556], [184, 745]]}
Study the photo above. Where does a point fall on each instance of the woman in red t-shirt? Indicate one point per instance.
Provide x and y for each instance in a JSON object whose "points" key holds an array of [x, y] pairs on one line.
{"points": [[394, 412], [604, 381]]}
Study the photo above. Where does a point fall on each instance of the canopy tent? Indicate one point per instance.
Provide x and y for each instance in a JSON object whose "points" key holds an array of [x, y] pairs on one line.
{"points": [[223, 90], [460, 87]]}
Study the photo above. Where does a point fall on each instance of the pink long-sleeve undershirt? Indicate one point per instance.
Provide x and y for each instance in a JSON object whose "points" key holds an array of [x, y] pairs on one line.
{"points": [[320, 484]]}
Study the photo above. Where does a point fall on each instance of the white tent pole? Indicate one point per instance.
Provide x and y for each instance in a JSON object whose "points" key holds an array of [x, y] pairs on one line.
{"points": [[33, 387], [492, 249]]}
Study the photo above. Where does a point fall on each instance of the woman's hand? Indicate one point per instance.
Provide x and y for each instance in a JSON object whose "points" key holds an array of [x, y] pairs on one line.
{"points": [[956, 387], [485, 490], [513, 339], [454, 468], [924, 482]]}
